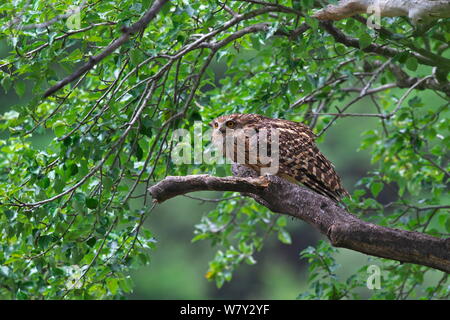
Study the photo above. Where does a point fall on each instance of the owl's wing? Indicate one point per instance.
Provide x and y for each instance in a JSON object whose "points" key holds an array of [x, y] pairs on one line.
{"points": [[319, 175], [301, 159], [305, 129]]}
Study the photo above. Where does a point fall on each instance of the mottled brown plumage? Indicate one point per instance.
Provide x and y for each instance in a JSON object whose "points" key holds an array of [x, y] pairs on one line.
{"points": [[299, 158]]}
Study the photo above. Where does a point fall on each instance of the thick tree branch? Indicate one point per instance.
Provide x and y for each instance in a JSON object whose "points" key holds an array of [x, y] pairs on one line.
{"points": [[342, 228], [176, 186], [419, 11]]}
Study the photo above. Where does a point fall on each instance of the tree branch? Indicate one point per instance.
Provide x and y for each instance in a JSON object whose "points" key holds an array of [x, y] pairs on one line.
{"points": [[382, 50], [140, 25], [342, 228], [419, 11]]}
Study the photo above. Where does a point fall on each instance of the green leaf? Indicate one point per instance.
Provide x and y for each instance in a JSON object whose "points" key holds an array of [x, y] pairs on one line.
{"points": [[44, 241], [135, 56], [376, 188], [250, 260], [412, 63], [284, 236], [6, 82], [293, 87], [74, 56], [91, 203], [59, 127], [402, 57], [44, 182], [73, 169], [112, 284], [281, 221], [365, 40], [305, 3], [20, 88], [126, 284], [107, 183], [21, 295], [340, 49], [256, 43], [139, 152], [58, 184], [91, 242], [307, 86]]}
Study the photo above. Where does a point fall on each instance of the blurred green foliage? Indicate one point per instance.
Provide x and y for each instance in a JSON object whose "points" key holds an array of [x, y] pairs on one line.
{"points": [[74, 167]]}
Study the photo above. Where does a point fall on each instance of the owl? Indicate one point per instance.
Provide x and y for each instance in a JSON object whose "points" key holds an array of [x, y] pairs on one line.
{"points": [[249, 139]]}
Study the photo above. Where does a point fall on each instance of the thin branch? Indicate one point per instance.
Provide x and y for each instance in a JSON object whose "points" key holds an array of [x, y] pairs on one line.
{"points": [[68, 34], [138, 26], [345, 115], [212, 200], [48, 23], [382, 50], [374, 77], [274, 5], [406, 94]]}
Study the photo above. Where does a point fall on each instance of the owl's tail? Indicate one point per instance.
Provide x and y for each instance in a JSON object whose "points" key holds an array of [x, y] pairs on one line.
{"points": [[334, 192], [321, 177]]}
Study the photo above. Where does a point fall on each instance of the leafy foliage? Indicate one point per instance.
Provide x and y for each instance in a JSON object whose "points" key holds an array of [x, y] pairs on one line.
{"points": [[323, 279], [72, 212]]}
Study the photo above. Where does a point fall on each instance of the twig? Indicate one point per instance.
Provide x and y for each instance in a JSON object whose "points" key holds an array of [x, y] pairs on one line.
{"points": [[211, 200]]}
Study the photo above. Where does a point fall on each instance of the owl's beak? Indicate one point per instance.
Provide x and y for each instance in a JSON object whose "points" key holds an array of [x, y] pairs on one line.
{"points": [[222, 129]]}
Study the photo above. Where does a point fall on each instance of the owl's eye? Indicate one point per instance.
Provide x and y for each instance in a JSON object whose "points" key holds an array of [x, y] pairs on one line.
{"points": [[216, 125], [230, 124]]}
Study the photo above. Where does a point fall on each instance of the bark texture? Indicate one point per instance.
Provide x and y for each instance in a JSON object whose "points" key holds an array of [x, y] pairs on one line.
{"points": [[341, 227], [418, 11]]}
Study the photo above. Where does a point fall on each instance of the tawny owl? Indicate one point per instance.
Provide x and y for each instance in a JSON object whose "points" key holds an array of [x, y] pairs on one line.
{"points": [[246, 138]]}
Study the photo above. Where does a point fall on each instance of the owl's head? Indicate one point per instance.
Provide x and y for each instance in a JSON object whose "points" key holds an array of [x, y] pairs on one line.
{"points": [[222, 124], [232, 122], [231, 133]]}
